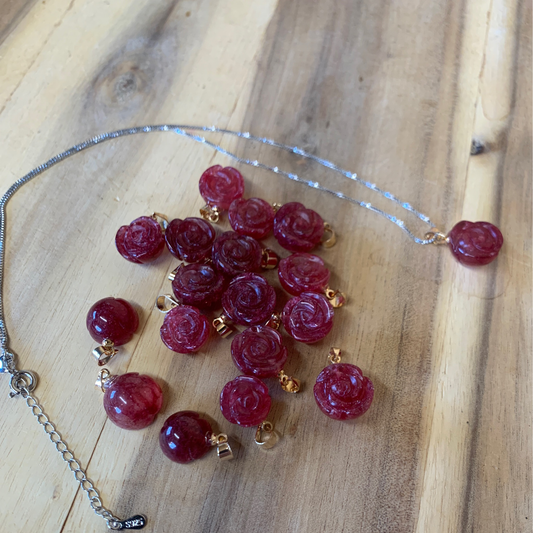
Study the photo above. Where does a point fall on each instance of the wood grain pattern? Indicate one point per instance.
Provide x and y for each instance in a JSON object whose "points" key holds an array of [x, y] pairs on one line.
{"points": [[395, 91]]}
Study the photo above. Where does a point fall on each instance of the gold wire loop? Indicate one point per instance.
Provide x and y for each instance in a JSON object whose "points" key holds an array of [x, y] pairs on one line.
{"points": [[334, 356], [265, 436], [210, 213], [103, 354], [103, 377], [174, 273], [436, 237], [222, 325], [224, 451], [288, 383], [165, 303], [274, 321], [329, 237], [162, 219], [336, 298], [276, 206]]}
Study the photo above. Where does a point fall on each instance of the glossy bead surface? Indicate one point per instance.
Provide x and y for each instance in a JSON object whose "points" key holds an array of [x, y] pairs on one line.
{"points": [[114, 319], [249, 300], [132, 400], [308, 318], [259, 351], [342, 392], [297, 228], [253, 217], [199, 285], [302, 272], [245, 401], [475, 243], [184, 437], [235, 254], [142, 241], [185, 329], [220, 186], [190, 239]]}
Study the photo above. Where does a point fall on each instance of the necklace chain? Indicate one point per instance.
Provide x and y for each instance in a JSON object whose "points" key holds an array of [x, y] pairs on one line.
{"points": [[23, 382]]}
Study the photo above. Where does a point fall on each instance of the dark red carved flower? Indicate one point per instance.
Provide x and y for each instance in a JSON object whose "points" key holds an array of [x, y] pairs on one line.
{"points": [[185, 329], [296, 228], [220, 186], [235, 254], [142, 241], [190, 239], [253, 217], [302, 272], [475, 243], [199, 285]]}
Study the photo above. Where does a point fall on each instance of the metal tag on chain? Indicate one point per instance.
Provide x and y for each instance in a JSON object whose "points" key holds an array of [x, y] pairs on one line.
{"points": [[135, 522]]}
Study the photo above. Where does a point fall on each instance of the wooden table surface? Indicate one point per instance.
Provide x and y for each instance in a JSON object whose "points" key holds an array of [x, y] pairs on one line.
{"points": [[396, 91]]}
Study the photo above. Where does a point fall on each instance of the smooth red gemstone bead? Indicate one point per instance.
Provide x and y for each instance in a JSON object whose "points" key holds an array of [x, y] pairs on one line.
{"points": [[142, 241], [132, 400], [253, 217], [185, 329], [245, 401], [235, 254], [342, 392], [220, 186], [191, 239], [297, 228], [114, 319], [308, 318], [475, 243], [249, 300], [184, 437], [302, 272], [199, 285], [259, 351]]}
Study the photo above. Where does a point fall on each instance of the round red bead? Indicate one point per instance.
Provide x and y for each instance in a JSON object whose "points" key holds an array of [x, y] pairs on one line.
{"points": [[245, 401], [235, 254], [184, 437], [114, 319], [220, 186], [132, 400], [142, 241], [342, 392], [185, 329], [199, 285], [190, 239], [308, 318], [302, 272], [249, 300], [475, 243], [297, 228], [259, 351], [253, 217]]}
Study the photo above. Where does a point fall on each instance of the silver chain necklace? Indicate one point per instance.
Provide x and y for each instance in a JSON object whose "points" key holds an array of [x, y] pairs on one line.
{"points": [[23, 382]]}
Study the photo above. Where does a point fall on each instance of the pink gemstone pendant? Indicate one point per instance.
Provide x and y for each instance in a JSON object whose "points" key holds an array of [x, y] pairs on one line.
{"points": [[297, 228], [220, 186], [184, 330], [191, 239], [112, 319], [142, 241], [303, 272], [475, 243], [253, 217], [132, 400], [235, 254], [308, 318]]}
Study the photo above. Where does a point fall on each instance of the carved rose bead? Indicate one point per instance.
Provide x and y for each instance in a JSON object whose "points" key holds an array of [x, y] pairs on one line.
{"points": [[342, 392], [249, 300], [235, 254], [475, 243], [308, 318], [259, 351], [301, 272], [185, 329], [132, 400], [220, 186], [184, 437], [245, 401], [253, 217], [297, 228], [191, 239], [199, 285], [114, 319], [142, 241]]}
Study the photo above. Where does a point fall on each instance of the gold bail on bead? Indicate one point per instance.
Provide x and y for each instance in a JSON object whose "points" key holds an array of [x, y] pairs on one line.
{"points": [[265, 436], [174, 273], [436, 237], [223, 327], [210, 213], [334, 356], [104, 376], [329, 237], [165, 302], [224, 451], [269, 259], [288, 383], [274, 321], [336, 298], [161, 219], [103, 354]]}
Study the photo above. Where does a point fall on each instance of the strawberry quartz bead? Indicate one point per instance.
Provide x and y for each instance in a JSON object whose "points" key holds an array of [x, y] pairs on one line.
{"points": [[245, 401], [301, 272], [297, 228], [185, 329], [132, 400], [114, 319], [475, 243], [190, 239], [199, 285], [142, 241], [253, 217], [342, 392], [308, 318], [249, 300], [184, 437], [220, 186], [259, 351], [235, 254]]}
